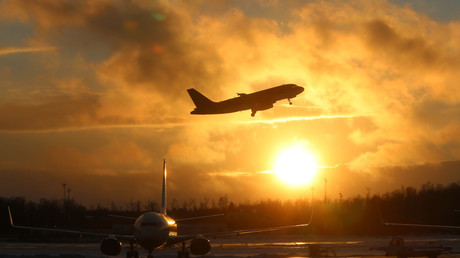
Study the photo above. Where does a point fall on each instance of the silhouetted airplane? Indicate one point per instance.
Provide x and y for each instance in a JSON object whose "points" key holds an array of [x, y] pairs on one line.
{"points": [[260, 100], [399, 248], [155, 230]]}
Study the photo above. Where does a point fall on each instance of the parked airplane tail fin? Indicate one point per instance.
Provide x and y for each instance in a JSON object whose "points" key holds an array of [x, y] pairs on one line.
{"points": [[163, 193], [199, 99]]}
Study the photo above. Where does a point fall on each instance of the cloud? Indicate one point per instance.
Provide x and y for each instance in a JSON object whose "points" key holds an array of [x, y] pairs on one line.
{"points": [[151, 60], [382, 80], [72, 111], [308, 118], [397, 67]]}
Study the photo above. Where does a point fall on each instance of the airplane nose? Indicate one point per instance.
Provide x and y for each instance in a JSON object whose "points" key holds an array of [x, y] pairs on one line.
{"points": [[300, 89]]}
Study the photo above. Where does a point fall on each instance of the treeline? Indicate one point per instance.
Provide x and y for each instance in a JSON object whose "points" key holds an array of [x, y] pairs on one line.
{"points": [[359, 215]]}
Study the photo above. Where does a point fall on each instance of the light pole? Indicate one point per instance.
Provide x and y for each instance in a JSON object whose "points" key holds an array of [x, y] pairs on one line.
{"points": [[63, 185], [325, 183]]}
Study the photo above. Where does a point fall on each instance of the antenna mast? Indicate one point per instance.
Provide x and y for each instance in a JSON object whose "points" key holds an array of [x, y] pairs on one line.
{"points": [[163, 193]]}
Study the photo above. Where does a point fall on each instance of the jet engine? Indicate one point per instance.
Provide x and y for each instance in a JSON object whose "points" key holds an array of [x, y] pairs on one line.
{"points": [[263, 106], [200, 246], [111, 246]]}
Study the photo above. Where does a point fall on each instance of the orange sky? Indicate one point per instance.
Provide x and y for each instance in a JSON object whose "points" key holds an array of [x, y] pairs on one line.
{"points": [[93, 94]]}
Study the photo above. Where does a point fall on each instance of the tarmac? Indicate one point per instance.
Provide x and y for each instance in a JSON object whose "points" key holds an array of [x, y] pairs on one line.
{"points": [[244, 246]]}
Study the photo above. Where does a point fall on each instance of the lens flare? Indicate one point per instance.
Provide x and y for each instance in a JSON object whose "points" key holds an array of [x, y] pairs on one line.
{"points": [[158, 16]]}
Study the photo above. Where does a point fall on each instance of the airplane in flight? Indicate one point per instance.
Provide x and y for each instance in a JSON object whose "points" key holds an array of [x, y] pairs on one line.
{"points": [[157, 230], [257, 101]]}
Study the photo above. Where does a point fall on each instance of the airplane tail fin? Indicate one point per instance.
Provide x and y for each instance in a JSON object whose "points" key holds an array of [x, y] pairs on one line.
{"points": [[163, 193], [199, 99]]}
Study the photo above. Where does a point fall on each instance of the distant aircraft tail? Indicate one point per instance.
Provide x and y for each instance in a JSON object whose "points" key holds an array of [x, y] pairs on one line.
{"points": [[199, 99], [163, 193]]}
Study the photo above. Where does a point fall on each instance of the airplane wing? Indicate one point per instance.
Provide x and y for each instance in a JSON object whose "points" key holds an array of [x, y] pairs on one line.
{"points": [[421, 225], [93, 234], [252, 231], [121, 217], [177, 220], [416, 225], [183, 238], [200, 217]]}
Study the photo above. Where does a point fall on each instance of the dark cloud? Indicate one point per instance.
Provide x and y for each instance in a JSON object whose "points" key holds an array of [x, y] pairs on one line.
{"points": [[52, 113], [408, 49], [161, 37], [98, 188], [153, 52], [350, 182]]}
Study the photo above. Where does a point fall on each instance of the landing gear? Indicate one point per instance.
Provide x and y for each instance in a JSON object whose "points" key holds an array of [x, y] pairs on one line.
{"points": [[132, 253], [290, 103], [183, 252], [135, 254], [253, 112]]}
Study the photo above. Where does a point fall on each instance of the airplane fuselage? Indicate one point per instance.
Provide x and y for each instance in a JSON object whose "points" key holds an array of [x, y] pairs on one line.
{"points": [[152, 230]]}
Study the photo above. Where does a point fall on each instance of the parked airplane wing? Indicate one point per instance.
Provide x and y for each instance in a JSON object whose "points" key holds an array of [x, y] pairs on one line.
{"points": [[416, 225], [252, 231], [200, 217], [121, 237], [421, 225], [183, 238], [177, 220]]}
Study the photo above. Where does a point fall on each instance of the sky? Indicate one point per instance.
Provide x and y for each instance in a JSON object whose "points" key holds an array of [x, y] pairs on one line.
{"points": [[93, 95]]}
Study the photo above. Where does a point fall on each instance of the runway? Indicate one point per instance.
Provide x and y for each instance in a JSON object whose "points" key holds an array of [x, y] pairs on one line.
{"points": [[253, 246]]}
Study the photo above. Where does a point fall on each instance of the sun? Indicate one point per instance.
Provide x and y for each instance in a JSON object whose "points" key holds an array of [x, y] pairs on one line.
{"points": [[296, 165]]}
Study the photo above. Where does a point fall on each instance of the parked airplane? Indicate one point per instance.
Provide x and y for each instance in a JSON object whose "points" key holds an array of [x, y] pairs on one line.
{"points": [[397, 247], [156, 230], [260, 100]]}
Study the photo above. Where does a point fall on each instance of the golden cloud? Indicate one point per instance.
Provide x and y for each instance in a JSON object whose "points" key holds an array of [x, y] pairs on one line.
{"points": [[384, 76]]}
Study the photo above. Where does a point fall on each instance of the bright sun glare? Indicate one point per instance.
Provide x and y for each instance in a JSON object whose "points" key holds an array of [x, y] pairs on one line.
{"points": [[296, 165]]}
